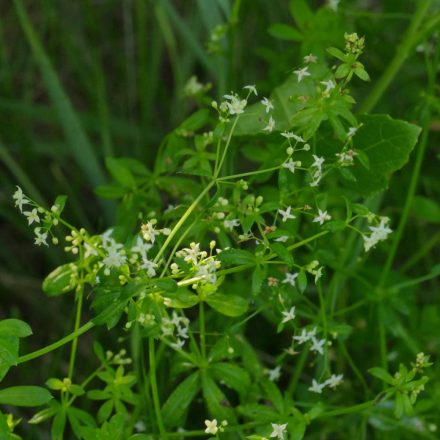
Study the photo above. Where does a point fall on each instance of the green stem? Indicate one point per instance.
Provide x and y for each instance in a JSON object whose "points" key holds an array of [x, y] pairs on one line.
{"points": [[77, 325], [154, 390], [183, 219], [399, 58], [226, 147], [350, 410], [415, 175], [42, 351], [250, 173], [202, 329]]}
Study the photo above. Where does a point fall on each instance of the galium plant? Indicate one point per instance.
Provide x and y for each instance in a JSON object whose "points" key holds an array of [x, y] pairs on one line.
{"points": [[209, 248]]}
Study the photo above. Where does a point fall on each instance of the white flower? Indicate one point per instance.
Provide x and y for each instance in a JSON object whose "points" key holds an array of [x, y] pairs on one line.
{"points": [[333, 4], [346, 158], [301, 73], [317, 273], [329, 85], [303, 337], [149, 232], [290, 135], [379, 233], [275, 373], [141, 247], [291, 164], [317, 345], [270, 125], [178, 345], [235, 106], [351, 132], [211, 426], [251, 88], [288, 316], [290, 278], [318, 161], [267, 104], [321, 217], [317, 387], [32, 216], [310, 58], [149, 266], [115, 255], [334, 380], [192, 87], [278, 430], [286, 214], [231, 224], [20, 199], [40, 238], [282, 239]]}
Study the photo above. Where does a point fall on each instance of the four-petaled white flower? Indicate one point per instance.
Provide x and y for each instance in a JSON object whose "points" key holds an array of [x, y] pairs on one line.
{"points": [[290, 278], [329, 85], [32, 216], [351, 132], [282, 238], [317, 345], [378, 233], [322, 217], [291, 164], [40, 237], [211, 426], [301, 73], [318, 161], [310, 58], [231, 224], [267, 104], [270, 125], [234, 104], [20, 199], [274, 374], [317, 387], [334, 380], [251, 88], [288, 316], [286, 214], [278, 430]]}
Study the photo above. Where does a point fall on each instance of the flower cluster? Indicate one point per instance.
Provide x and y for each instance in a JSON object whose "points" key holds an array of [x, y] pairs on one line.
{"points": [[177, 327], [378, 233], [333, 381]]}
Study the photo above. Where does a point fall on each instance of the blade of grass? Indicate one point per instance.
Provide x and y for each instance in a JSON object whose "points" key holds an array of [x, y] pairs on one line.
{"points": [[80, 145]]}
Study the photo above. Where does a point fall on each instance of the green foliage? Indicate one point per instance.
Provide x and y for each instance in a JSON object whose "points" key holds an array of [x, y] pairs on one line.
{"points": [[276, 246]]}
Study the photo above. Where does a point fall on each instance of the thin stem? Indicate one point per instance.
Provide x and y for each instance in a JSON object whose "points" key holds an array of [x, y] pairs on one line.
{"points": [[77, 325], [350, 410], [225, 151], [154, 390], [202, 329], [42, 351], [399, 58], [432, 72], [250, 173], [183, 219]]}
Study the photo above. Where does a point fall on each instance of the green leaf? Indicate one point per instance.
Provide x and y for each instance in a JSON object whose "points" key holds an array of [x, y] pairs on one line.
{"points": [[178, 402], [58, 425], [426, 209], [119, 172], [387, 143], [216, 401], [182, 298], [283, 253], [284, 32], [8, 354], [60, 201], [301, 12], [24, 396], [258, 412], [110, 191], [194, 122], [232, 375], [273, 394], [337, 53], [258, 276], [236, 257], [14, 327], [334, 225], [61, 280], [43, 415], [302, 281], [229, 305], [381, 374]]}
